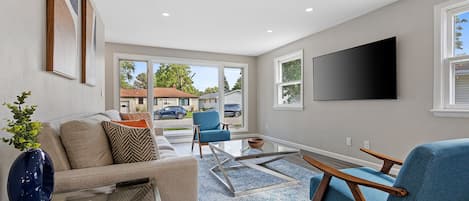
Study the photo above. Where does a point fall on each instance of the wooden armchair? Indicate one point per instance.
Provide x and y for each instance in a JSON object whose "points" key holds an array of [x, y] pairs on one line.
{"points": [[208, 128], [432, 172]]}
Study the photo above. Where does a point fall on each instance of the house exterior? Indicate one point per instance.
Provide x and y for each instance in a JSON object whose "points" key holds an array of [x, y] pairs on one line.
{"points": [[209, 101], [135, 100]]}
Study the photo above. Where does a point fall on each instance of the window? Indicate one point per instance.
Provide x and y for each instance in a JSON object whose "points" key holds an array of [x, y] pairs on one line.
{"points": [[184, 102], [185, 84], [289, 81], [451, 84]]}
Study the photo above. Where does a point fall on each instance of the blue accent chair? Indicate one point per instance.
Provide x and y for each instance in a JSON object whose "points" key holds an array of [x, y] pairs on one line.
{"points": [[207, 128], [436, 171]]}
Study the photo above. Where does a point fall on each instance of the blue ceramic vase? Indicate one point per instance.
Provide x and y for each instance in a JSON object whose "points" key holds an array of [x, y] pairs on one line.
{"points": [[31, 177]]}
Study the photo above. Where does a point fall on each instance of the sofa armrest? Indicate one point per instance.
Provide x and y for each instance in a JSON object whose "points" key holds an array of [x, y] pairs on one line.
{"points": [[171, 175]]}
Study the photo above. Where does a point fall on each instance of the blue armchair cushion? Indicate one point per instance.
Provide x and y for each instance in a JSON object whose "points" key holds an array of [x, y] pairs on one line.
{"points": [[339, 191], [437, 171], [207, 120], [214, 136]]}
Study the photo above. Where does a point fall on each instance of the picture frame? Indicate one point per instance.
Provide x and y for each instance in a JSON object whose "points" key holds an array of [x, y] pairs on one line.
{"points": [[88, 41], [62, 45]]}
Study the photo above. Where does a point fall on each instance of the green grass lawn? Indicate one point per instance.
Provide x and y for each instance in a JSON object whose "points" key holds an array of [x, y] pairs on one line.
{"points": [[188, 115]]}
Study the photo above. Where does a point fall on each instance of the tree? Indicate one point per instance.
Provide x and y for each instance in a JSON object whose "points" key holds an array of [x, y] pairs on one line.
{"points": [[141, 81], [176, 75], [291, 71], [227, 86], [458, 44], [127, 68], [238, 84], [210, 90]]}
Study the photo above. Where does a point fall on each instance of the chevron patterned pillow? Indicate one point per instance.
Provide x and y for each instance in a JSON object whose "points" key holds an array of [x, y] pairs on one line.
{"points": [[130, 145]]}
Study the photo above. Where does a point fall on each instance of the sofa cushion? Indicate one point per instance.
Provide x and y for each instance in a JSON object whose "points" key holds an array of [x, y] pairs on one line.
{"points": [[86, 143], [338, 190], [112, 114], [214, 135], [165, 153], [138, 116], [130, 145], [50, 143], [163, 143], [133, 123]]}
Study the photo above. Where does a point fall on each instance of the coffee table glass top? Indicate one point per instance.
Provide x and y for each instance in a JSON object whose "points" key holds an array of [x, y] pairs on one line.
{"points": [[138, 190], [240, 148]]}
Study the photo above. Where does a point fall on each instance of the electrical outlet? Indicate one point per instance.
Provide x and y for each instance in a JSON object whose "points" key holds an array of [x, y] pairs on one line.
{"points": [[366, 144], [348, 141]]}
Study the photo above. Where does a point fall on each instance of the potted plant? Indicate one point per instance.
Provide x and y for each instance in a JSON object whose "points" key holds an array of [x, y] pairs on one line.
{"points": [[31, 175]]}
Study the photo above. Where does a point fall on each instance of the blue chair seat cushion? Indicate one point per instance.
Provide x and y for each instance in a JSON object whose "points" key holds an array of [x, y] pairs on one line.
{"points": [[339, 191], [214, 135]]}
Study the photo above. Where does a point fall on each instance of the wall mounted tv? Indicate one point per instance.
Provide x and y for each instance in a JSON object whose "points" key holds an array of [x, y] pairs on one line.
{"points": [[363, 72]]}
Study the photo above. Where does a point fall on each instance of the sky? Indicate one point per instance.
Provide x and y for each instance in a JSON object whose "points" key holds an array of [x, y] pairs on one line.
{"points": [[465, 34], [204, 76]]}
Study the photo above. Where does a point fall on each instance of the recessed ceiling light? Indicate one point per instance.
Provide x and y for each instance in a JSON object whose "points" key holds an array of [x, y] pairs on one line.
{"points": [[309, 10], [165, 14], [269, 31]]}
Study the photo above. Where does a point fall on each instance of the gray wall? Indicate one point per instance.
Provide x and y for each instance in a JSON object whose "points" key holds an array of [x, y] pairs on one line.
{"points": [[112, 84], [22, 60], [392, 126]]}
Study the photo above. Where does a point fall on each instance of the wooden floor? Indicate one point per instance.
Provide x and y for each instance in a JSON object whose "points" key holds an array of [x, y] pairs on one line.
{"points": [[185, 149]]}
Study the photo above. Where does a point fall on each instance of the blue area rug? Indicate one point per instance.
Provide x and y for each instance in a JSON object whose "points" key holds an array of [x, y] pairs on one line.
{"points": [[210, 189]]}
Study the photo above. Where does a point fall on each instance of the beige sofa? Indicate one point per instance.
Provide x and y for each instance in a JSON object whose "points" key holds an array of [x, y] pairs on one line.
{"points": [[175, 176]]}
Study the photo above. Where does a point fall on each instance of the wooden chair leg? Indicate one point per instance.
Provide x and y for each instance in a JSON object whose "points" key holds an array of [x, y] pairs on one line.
{"points": [[322, 188], [200, 150], [193, 142], [357, 194]]}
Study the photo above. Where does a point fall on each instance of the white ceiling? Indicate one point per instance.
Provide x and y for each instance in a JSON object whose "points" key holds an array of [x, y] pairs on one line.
{"points": [[225, 26]]}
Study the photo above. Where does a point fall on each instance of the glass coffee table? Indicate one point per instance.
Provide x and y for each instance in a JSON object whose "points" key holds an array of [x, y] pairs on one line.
{"points": [[240, 152], [136, 190]]}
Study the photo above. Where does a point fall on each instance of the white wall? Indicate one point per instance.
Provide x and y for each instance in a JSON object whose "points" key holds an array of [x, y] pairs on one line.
{"points": [[392, 126], [22, 62], [112, 83]]}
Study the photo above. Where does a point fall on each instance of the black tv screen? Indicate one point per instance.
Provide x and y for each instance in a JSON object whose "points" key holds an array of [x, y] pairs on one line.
{"points": [[363, 72]]}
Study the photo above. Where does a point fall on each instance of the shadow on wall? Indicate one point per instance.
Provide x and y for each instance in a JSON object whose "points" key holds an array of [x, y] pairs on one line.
{"points": [[7, 155]]}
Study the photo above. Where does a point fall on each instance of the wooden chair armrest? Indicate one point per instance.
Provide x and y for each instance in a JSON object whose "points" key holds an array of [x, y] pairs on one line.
{"points": [[351, 181], [388, 161]]}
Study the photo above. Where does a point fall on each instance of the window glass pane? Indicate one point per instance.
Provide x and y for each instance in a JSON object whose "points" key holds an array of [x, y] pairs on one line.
{"points": [[133, 86], [461, 34], [182, 89], [461, 85], [290, 94], [234, 97], [291, 70]]}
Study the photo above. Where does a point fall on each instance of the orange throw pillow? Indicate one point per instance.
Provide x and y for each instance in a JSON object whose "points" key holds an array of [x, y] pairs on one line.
{"points": [[133, 123]]}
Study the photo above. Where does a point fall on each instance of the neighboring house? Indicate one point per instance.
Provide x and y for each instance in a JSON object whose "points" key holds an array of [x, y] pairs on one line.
{"points": [[208, 101], [462, 87], [135, 100]]}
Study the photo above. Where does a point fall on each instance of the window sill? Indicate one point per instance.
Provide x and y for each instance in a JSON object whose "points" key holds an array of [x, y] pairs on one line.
{"points": [[455, 113], [288, 108]]}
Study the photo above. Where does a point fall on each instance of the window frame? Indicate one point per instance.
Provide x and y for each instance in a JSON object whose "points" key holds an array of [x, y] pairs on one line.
{"points": [[278, 83], [444, 60], [221, 65], [182, 100]]}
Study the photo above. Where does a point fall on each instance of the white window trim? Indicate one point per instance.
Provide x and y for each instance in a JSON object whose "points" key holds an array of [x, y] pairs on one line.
{"points": [[442, 86], [210, 63], [277, 83]]}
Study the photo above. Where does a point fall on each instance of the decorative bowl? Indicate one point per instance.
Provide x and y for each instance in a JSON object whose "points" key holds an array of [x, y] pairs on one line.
{"points": [[256, 143]]}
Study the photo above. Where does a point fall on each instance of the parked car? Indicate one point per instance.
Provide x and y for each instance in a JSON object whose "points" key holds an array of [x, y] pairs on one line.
{"points": [[232, 110], [171, 112]]}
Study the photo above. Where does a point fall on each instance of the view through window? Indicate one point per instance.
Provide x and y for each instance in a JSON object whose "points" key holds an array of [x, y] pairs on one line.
{"points": [[179, 90]]}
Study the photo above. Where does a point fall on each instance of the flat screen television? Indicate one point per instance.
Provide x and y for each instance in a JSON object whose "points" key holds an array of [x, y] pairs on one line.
{"points": [[363, 72]]}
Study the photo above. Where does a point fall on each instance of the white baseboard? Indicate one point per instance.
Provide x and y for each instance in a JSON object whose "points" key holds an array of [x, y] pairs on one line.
{"points": [[337, 156]]}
